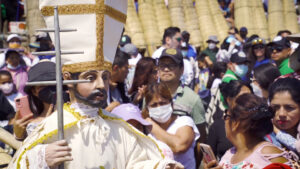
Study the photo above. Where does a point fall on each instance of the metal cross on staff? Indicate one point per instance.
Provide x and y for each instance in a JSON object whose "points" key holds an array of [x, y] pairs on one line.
{"points": [[59, 82]]}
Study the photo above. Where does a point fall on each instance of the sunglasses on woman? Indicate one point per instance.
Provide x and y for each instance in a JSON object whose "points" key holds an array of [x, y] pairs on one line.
{"points": [[226, 116]]}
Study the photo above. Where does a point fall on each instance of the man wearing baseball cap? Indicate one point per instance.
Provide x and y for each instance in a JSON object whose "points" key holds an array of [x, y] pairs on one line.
{"points": [[237, 67], [280, 50], [185, 100]]}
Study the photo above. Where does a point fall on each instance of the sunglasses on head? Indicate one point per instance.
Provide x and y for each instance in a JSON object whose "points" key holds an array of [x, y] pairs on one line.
{"points": [[257, 41]]}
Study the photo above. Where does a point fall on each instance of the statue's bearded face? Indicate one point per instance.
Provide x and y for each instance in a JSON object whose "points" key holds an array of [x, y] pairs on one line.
{"points": [[94, 93]]}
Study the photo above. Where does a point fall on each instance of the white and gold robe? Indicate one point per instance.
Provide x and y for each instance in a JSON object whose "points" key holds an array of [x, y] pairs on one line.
{"points": [[97, 140]]}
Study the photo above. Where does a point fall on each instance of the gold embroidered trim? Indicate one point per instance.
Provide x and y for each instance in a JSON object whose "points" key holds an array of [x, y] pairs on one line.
{"points": [[50, 134], [115, 14], [78, 117], [71, 9], [99, 9]]}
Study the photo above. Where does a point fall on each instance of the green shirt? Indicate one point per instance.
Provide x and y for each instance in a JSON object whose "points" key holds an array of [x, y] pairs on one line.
{"points": [[211, 53], [228, 76], [284, 67], [187, 102]]}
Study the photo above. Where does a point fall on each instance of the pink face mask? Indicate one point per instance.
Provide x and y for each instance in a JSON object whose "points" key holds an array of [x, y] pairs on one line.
{"points": [[7, 88]]}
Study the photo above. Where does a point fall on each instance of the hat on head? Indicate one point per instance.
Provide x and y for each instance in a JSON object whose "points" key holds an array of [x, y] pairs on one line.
{"points": [[99, 25], [243, 29], [294, 61], [258, 41], [130, 49], [131, 112], [278, 40], [10, 37], [43, 71], [239, 57], [212, 38], [125, 39], [174, 54]]}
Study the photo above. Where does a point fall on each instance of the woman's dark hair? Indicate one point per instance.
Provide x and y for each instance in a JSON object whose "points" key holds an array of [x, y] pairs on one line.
{"points": [[155, 89], [218, 69], [232, 89], [254, 114], [144, 68], [290, 85], [265, 75], [5, 72], [35, 104], [252, 57]]}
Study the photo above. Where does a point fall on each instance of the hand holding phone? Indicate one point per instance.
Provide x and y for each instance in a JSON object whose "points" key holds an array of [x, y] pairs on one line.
{"points": [[22, 105], [208, 154]]}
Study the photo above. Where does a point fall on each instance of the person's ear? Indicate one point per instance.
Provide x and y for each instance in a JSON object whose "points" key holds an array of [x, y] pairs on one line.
{"points": [[231, 66], [67, 76], [289, 50], [235, 125], [115, 67], [168, 40]]}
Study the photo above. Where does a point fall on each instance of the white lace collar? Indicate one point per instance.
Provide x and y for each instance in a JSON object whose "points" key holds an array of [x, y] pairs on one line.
{"points": [[85, 110]]}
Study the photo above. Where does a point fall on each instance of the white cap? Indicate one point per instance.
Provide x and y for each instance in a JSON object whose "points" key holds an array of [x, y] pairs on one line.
{"points": [[10, 37]]}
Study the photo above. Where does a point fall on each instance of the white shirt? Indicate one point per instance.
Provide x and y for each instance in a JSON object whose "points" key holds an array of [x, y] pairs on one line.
{"points": [[133, 61], [158, 52], [186, 158], [188, 73]]}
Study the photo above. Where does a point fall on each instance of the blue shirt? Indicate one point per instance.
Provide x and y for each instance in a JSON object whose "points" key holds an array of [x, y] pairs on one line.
{"points": [[265, 61], [191, 53]]}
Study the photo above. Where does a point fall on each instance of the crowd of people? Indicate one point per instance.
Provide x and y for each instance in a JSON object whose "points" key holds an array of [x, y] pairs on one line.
{"points": [[239, 95]]}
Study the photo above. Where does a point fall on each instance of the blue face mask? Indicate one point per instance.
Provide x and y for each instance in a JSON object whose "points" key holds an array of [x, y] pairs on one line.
{"points": [[184, 53], [9, 66], [241, 70]]}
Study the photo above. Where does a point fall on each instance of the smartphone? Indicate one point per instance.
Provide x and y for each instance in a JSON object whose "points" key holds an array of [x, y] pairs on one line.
{"points": [[208, 154], [22, 104]]}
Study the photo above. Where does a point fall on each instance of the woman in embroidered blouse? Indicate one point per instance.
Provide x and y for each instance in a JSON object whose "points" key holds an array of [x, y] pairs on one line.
{"points": [[246, 124], [284, 96]]}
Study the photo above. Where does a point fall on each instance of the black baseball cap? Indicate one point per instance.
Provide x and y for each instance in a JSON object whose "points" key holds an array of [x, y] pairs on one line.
{"points": [[239, 58], [278, 40], [43, 71], [125, 39], [174, 54]]}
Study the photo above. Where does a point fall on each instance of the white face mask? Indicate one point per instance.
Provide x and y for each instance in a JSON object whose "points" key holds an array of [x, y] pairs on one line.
{"points": [[212, 46], [7, 88], [9, 66], [256, 90], [241, 70], [161, 114]]}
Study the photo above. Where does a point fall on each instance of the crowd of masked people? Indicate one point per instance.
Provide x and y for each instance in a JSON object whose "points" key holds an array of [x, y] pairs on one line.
{"points": [[238, 95]]}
